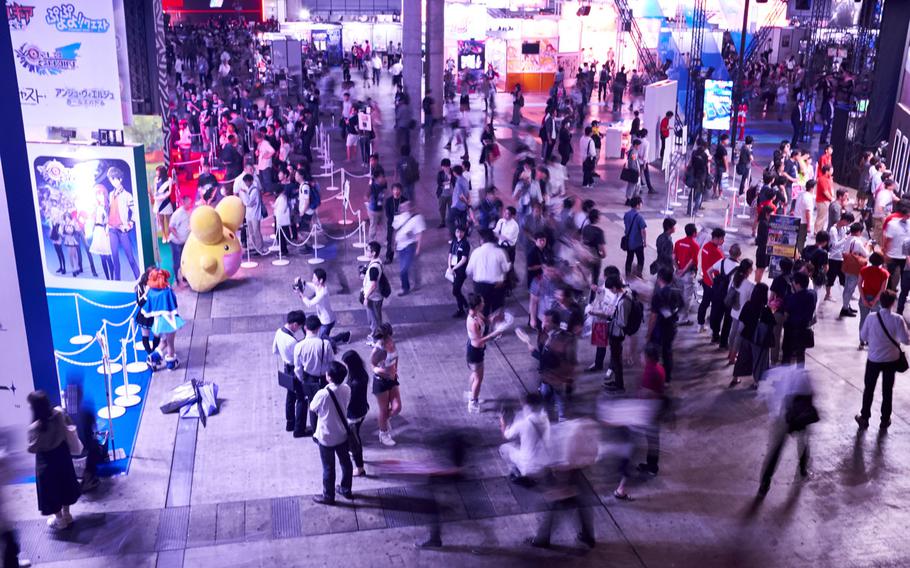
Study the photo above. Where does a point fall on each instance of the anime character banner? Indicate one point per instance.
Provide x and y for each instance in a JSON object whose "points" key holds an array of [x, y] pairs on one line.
{"points": [[88, 212]]}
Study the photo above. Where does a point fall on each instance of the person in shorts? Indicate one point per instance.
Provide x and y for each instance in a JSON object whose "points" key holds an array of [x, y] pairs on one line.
{"points": [[476, 348]]}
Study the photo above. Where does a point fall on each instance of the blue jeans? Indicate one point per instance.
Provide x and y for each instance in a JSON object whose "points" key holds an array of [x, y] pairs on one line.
{"points": [[327, 456], [406, 258], [555, 396], [121, 240]]}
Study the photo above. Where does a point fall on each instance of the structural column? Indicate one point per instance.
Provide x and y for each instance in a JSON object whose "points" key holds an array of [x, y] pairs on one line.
{"points": [[435, 64], [411, 46]]}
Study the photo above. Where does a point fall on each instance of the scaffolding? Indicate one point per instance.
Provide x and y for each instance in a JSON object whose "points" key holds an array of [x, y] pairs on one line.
{"points": [[651, 68], [695, 81], [816, 54]]}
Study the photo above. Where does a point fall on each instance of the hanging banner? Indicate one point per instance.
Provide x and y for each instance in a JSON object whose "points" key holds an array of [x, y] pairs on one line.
{"points": [[66, 63], [91, 215]]}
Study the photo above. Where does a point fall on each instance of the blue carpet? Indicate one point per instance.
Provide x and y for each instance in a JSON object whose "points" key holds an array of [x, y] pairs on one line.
{"points": [[91, 318]]}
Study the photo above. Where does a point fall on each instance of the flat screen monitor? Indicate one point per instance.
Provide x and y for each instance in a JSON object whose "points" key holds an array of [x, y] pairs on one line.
{"points": [[530, 48], [718, 105]]}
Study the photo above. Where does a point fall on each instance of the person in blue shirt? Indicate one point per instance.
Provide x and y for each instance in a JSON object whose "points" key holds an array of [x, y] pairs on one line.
{"points": [[635, 236]]}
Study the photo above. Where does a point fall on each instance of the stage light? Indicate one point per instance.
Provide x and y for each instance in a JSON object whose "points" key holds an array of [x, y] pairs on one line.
{"points": [[304, 14]]}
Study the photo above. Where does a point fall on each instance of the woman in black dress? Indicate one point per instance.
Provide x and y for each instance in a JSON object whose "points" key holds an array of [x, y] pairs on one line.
{"points": [[358, 381], [757, 335], [56, 482], [762, 258]]}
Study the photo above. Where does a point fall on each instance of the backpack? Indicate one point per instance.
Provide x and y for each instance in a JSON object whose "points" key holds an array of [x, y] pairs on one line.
{"points": [[409, 172], [385, 289], [315, 196], [635, 315], [721, 284]]}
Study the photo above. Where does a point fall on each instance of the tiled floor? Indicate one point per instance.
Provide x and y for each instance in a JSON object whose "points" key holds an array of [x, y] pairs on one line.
{"points": [[237, 493]]}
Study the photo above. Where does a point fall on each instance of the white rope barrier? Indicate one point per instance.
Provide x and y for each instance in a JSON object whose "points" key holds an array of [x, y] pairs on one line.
{"points": [[78, 351], [88, 301], [343, 237]]}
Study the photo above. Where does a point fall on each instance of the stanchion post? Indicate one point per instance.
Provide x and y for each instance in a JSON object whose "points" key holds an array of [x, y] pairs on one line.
{"points": [[315, 259], [81, 338]]}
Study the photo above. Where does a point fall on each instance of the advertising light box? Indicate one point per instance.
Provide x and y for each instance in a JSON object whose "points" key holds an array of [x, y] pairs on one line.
{"points": [[718, 105], [66, 63]]}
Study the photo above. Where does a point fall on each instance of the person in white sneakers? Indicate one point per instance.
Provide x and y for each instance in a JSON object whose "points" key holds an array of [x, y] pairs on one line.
{"points": [[55, 477], [476, 347], [384, 361]]}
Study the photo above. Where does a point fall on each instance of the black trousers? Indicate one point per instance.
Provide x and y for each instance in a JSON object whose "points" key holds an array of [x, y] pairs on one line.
{"points": [[587, 169], [639, 255], [327, 455], [721, 321], [887, 372], [663, 335], [310, 386], [616, 360], [460, 277], [778, 437], [295, 399], [705, 302], [574, 482]]}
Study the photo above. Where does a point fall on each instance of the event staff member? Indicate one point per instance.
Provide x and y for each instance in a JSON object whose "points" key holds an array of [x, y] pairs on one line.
{"points": [[685, 254], [283, 346], [711, 253], [312, 358], [488, 267]]}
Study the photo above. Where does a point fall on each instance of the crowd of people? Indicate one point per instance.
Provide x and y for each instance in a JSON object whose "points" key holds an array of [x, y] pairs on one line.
{"points": [[579, 286]]}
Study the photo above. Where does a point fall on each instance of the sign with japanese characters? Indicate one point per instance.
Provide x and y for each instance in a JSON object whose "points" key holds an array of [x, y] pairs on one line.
{"points": [[66, 63]]}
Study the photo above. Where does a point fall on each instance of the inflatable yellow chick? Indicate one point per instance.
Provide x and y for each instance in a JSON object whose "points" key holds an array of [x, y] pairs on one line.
{"points": [[212, 253]]}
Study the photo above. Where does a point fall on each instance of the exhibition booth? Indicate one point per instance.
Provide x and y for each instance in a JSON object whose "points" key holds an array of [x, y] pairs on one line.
{"points": [[83, 233]]}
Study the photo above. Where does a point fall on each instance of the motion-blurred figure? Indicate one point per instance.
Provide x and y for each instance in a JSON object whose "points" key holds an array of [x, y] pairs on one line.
{"points": [[793, 411], [529, 438]]}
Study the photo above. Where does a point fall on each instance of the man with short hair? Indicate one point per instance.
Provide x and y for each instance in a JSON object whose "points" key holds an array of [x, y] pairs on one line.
{"points": [[391, 208], [444, 186], [322, 305], [616, 333], [488, 267], [799, 308], [721, 163], [664, 133], [711, 253], [252, 201], [685, 255], [179, 232], [408, 229], [666, 304], [461, 198], [283, 346], [884, 332], [312, 358], [264, 153], [635, 235], [372, 296], [330, 404], [744, 164], [644, 158]]}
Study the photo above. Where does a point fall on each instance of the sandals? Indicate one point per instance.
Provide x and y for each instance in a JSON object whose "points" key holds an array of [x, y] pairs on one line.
{"points": [[622, 496], [734, 382]]}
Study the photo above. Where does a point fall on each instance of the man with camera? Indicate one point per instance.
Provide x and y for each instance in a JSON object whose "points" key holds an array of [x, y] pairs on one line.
{"points": [[322, 305]]}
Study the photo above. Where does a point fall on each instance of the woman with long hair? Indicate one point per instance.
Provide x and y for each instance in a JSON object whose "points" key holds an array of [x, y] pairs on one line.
{"points": [[55, 478], [756, 337], [476, 348], [144, 322], [384, 362], [358, 380], [164, 206], [740, 292]]}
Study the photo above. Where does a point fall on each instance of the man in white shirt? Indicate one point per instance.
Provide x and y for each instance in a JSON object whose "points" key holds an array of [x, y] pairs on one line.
{"points": [[853, 246], [644, 157], [883, 205], [330, 404], [377, 67], [312, 358], [179, 232], [529, 434], [588, 152], [894, 241], [283, 346], [408, 229], [371, 292], [488, 267], [321, 303], [247, 188], [884, 332], [804, 207], [264, 153]]}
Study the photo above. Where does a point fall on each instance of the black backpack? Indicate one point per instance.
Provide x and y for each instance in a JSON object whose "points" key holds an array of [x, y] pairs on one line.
{"points": [[721, 284], [635, 315]]}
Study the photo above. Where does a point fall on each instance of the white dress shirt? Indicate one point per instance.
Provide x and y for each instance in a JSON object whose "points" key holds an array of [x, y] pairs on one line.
{"points": [[507, 230], [488, 264], [330, 428], [283, 345], [313, 356], [321, 303], [881, 349]]}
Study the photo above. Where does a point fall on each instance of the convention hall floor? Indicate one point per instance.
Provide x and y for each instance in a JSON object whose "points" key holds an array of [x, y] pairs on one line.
{"points": [[237, 493]]}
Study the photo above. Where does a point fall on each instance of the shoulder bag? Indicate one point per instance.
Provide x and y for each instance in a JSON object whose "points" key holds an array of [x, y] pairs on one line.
{"points": [[900, 365], [354, 444], [629, 175]]}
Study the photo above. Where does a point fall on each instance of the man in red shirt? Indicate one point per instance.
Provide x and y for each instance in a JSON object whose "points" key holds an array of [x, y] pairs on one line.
{"points": [[824, 195], [710, 254], [664, 132], [685, 253], [825, 160], [873, 280]]}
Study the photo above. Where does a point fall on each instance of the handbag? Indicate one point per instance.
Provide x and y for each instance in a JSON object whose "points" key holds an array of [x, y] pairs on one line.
{"points": [[286, 380], [853, 263], [629, 175], [354, 443], [901, 364], [800, 413], [73, 441]]}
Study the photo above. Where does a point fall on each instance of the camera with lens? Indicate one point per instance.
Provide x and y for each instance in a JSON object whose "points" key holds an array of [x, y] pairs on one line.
{"points": [[298, 285]]}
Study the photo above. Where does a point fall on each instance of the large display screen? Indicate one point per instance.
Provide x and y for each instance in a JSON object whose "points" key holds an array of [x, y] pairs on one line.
{"points": [[59, 48], [718, 105], [88, 216]]}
